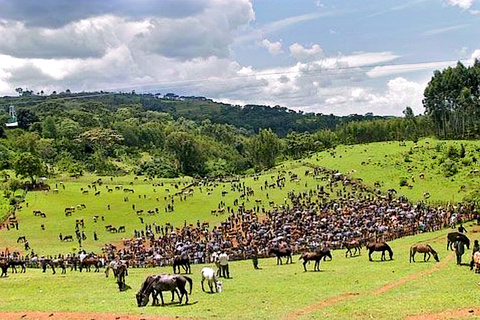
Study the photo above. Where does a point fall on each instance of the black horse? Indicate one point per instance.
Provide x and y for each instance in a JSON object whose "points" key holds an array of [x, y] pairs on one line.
{"points": [[379, 246], [164, 282], [452, 237], [279, 253], [181, 261], [14, 263]]}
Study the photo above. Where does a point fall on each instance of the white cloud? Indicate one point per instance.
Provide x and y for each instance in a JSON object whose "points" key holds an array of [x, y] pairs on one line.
{"points": [[301, 53], [274, 48], [443, 30], [464, 4], [475, 54]]}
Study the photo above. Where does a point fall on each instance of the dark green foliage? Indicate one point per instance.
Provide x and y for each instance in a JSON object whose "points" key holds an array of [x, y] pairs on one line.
{"points": [[158, 167], [449, 168], [403, 182], [451, 101]]}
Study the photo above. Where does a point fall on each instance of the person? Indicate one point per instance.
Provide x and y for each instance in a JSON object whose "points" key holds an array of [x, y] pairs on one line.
{"points": [[476, 247], [459, 251], [255, 259], [462, 229], [223, 262]]}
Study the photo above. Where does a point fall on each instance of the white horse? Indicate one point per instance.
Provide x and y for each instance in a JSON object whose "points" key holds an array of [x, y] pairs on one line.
{"points": [[211, 276]]}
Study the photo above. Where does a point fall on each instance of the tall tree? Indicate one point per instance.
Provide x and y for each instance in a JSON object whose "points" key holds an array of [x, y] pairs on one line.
{"points": [[28, 165], [264, 148]]}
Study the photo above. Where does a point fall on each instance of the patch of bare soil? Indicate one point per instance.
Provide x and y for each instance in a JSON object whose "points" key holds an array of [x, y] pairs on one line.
{"points": [[449, 314]]}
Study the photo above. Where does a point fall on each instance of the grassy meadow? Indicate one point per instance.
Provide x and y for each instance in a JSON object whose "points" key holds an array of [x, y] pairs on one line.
{"points": [[273, 292], [387, 162]]}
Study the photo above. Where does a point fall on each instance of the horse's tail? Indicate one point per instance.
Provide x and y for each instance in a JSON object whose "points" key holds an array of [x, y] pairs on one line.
{"points": [[190, 281], [411, 253]]}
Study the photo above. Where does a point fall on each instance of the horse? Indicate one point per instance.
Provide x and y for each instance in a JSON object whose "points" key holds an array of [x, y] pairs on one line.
{"points": [[379, 246], [457, 236], [211, 276], [14, 263], [279, 253], [164, 282], [58, 263], [354, 244], [316, 256], [88, 262], [181, 260], [425, 249]]}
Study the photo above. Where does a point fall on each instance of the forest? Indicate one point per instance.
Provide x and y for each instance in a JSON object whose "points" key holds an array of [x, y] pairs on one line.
{"points": [[170, 136]]}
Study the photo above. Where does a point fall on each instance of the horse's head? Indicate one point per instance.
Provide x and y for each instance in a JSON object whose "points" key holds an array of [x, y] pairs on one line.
{"points": [[435, 256], [142, 300]]}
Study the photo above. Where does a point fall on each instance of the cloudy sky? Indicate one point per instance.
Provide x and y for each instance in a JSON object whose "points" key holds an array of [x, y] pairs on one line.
{"points": [[328, 56]]}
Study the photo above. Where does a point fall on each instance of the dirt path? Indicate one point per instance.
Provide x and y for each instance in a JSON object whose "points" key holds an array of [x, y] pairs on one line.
{"points": [[337, 299], [449, 314], [37, 315]]}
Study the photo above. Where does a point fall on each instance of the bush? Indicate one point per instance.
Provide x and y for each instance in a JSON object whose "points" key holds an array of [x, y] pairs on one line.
{"points": [[403, 182], [158, 167], [407, 159], [450, 168], [453, 152], [466, 162]]}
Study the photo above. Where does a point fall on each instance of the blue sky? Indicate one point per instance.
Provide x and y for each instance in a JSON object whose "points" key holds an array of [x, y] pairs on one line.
{"points": [[337, 57]]}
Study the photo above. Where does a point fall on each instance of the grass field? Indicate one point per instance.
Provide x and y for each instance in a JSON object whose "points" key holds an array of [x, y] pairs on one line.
{"points": [[350, 288], [384, 162], [274, 292]]}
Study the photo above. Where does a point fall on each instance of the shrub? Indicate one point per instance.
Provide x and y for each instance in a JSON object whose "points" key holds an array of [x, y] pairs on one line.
{"points": [[450, 168], [403, 182], [466, 162]]}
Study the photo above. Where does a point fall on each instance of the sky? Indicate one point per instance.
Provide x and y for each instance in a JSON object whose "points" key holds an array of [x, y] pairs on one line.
{"points": [[323, 56]]}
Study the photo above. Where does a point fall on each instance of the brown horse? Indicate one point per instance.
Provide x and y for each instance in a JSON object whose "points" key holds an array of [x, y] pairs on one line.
{"points": [[452, 237], [88, 262], [354, 244], [379, 246], [279, 253], [164, 282], [58, 263], [316, 256], [425, 249]]}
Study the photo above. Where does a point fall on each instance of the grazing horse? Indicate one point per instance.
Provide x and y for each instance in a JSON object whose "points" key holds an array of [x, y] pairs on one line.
{"points": [[211, 276], [379, 246], [181, 260], [425, 249], [316, 256], [164, 282], [354, 244], [452, 237], [279, 253]]}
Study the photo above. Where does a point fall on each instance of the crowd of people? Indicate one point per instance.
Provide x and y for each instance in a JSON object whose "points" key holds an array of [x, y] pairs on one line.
{"points": [[309, 221]]}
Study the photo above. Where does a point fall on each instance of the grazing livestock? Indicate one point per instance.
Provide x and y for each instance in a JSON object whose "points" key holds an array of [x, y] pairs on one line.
{"points": [[164, 282], [379, 246], [425, 249], [354, 244], [211, 276]]}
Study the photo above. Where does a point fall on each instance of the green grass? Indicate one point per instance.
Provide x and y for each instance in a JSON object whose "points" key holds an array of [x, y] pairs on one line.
{"points": [[270, 293], [385, 162]]}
